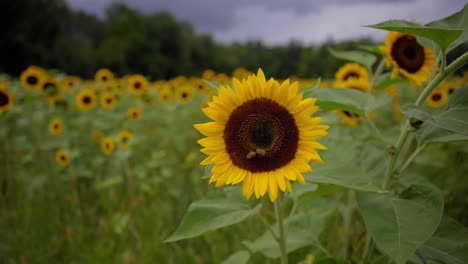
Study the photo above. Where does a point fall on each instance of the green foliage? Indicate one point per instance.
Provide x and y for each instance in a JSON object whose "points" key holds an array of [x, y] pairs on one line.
{"points": [[364, 58], [239, 257]]}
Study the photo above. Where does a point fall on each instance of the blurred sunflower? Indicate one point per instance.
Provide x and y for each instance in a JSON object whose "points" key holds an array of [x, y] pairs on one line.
{"points": [[184, 94], [351, 71], [348, 118], [32, 78], [240, 73], [222, 79], [50, 88], [407, 57], [98, 135], [104, 76], [137, 84], [208, 74], [354, 83], [6, 100], [134, 113], [437, 98], [108, 100], [392, 90], [62, 157], [70, 82], [200, 86], [263, 135], [125, 136], [55, 126], [107, 145], [86, 99], [165, 95]]}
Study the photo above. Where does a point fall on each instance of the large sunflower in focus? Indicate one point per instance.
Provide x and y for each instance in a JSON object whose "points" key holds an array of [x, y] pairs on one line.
{"points": [[408, 58], [262, 135]]}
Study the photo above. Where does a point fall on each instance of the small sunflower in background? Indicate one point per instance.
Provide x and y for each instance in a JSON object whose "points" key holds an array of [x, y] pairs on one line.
{"points": [[262, 136], [124, 137], [6, 100], [98, 135], [86, 99], [104, 76], [32, 78], [200, 86], [50, 88], [134, 113], [240, 73], [137, 84], [165, 95], [62, 157], [55, 126], [107, 145], [438, 97], [69, 83], [108, 100], [407, 57], [222, 79], [208, 74], [452, 84], [348, 117], [351, 71], [184, 94]]}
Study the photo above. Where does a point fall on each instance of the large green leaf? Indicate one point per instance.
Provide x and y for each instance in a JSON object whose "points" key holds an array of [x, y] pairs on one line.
{"points": [[348, 100], [347, 175], [303, 230], [239, 257], [449, 244], [399, 225], [442, 36], [458, 20], [220, 210], [454, 117], [432, 134], [365, 58]]}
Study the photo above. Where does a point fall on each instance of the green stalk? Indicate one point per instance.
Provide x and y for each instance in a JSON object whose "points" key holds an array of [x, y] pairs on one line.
{"points": [[377, 73], [282, 233], [460, 61]]}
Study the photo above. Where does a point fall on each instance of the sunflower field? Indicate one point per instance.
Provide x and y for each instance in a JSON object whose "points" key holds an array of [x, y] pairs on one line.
{"points": [[241, 167]]}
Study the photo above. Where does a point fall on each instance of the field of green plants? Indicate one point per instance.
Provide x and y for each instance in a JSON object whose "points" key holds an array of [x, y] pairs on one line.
{"points": [[242, 167]]}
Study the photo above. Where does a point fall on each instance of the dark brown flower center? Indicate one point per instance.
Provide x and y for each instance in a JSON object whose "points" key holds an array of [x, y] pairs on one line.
{"points": [[137, 85], [108, 100], [32, 80], [104, 78], [184, 95], [451, 90], [63, 157], [436, 97], [408, 53], [351, 74], [4, 99], [86, 99], [261, 135], [350, 114]]}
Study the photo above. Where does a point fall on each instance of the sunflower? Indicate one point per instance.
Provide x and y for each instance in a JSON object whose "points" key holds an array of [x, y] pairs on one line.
{"points": [[108, 100], [104, 76], [134, 113], [137, 84], [354, 83], [62, 157], [351, 71], [55, 126], [165, 95], [32, 78], [348, 118], [438, 97], [262, 135], [208, 74], [6, 100], [98, 135], [107, 145], [241, 73], [184, 94], [125, 136], [392, 90], [86, 99], [70, 82], [200, 86], [50, 88], [407, 57]]}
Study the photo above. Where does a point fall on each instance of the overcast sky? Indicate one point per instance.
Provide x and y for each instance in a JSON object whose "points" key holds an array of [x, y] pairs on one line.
{"points": [[277, 22]]}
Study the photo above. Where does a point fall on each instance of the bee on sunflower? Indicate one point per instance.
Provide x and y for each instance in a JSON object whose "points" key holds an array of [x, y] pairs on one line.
{"points": [[62, 157], [55, 126], [86, 99], [262, 136]]}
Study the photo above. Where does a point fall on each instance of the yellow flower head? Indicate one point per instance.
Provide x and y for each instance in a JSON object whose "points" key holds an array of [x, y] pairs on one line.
{"points": [[134, 113], [184, 94], [208, 74], [137, 84], [407, 57], [104, 76], [107, 145], [124, 137], [98, 135], [165, 95], [32, 78], [108, 100], [55, 126], [70, 82], [351, 71], [438, 97], [62, 157], [6, 100], [86, 99], [50, 88], [262, 135]]}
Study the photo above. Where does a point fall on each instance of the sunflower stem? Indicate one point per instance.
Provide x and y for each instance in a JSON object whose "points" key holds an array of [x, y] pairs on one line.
{"points": [[394, 152], [410, 158], [377, 72], [282, 233], [367, 249]]}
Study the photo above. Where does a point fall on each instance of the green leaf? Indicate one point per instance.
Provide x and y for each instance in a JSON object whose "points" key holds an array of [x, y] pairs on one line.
{"points": [[239, 257], [303, 192], [449, 244], [454, 117], [207, 173], [303, 230], [349, 100], [432, 134], [399, 225], [109, 182], [309, 90], [220, 210], [386, 80], [442, 36], [458, 20], [365, 58], [347, 175]]}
